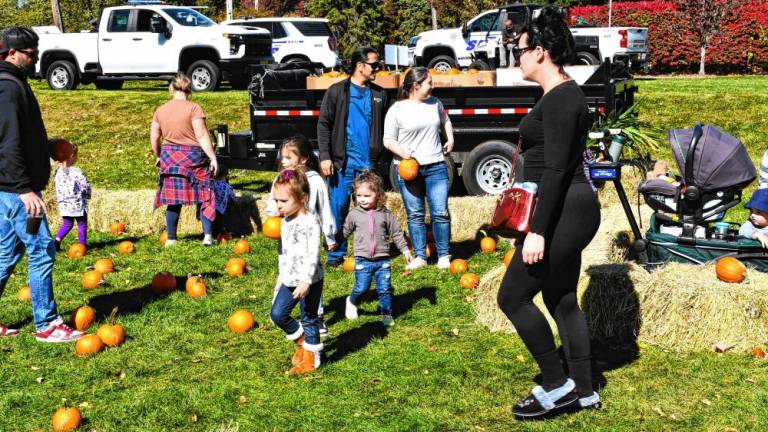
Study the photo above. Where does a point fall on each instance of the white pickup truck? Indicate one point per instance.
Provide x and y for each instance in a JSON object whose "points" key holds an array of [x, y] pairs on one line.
{"points": [[474, 44], [145, 41]]}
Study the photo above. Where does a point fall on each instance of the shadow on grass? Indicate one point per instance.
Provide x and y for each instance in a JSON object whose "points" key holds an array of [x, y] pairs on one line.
{"points": [[101, 244]]}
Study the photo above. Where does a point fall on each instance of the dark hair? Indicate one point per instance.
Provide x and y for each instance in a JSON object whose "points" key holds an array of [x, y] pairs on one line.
{"points": [[296, 181], [373, 181], [416, 75], [550, 31], [301, 147], [360, 56], [18, 38]]}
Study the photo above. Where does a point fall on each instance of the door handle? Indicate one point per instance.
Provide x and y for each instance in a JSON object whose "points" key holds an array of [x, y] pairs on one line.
{"points": [[137, 39], [106, 39]]}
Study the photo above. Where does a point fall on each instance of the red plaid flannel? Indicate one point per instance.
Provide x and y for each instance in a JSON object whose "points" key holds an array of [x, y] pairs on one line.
{"points": [[185, 178]]}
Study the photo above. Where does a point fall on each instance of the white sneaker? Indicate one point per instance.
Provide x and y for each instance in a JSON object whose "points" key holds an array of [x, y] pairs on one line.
{"points": [[444, 262], [416, 263], [350, 311], [170, 243], [207, 240]]}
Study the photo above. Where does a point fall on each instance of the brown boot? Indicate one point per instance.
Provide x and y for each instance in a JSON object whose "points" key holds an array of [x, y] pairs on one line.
{"points": [[296, 359], [309, 363]]}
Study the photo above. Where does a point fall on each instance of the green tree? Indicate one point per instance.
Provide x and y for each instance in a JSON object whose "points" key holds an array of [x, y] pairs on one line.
{"points": [[355, 22]]}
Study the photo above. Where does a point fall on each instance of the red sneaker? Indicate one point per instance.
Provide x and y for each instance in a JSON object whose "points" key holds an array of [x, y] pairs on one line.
{"points": [[58, 332], [5, 331]]}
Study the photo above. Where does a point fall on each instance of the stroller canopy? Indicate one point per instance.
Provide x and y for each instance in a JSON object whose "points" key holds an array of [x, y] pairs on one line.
{"points": [[720, 161]]}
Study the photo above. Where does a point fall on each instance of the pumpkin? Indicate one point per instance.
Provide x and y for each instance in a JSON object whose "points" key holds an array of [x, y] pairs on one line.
{"points": [[469, 280], [508, 257], [431, 250], [240, 321], [61, 150], [459, 266], [383, 73], [125, 247], [163, 282], [24, 294], [88, 344], [235, 267], [92, 279], [729, 269], [472, 71], [241, 247], [224, 238], [271, 227], [66, 418], [453, 71], [488, 244], [348, 265], [433, 71], [195, 287], [758, 353], [117, 227], [104, 265], [163, 238], [77, 250], [111, 333], [83, 317], [408, 169]]}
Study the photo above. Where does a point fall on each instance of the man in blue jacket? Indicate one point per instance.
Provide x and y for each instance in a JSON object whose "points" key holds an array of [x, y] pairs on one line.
{"points": [[24, 172]]}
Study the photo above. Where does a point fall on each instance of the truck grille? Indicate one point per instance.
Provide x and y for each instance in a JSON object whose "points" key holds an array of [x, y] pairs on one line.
{"points": [[258, 46]]}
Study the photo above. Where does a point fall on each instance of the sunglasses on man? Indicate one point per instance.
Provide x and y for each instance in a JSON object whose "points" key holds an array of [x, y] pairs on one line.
{"points": [[30, 53], [374, 65]]}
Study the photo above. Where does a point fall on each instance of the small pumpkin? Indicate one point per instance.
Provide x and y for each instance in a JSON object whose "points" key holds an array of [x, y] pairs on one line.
{"points": [[117, 227], [24, 294], [241, 247], [758, 353], [83, 317], [271, 227], [66, 418], [88, 344], [408, 169], [469, 280], [472, 71], [126, 247], [196, 287], [163, 238], [104, 265], [453, 71], [241, 321], [431, 250], [730, 269], [77, 250], [163, 282], [61, 150], [459, 266], [224, 238], [111, 333], [236, 267], [487, 244], [508, 257], [92, 279], [348, 265]]}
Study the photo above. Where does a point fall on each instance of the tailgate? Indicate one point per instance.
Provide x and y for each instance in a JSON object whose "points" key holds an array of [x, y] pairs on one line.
{"points": [[637, 39]]}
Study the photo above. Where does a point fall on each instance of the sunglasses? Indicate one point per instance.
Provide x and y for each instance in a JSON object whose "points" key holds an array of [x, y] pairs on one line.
{"points": [[30, 53], [374, 65], [517, 52]]}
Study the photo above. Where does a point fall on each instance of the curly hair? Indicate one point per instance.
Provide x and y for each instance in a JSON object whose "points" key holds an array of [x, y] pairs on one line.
{"points": [[375, 183], [296, 182]]}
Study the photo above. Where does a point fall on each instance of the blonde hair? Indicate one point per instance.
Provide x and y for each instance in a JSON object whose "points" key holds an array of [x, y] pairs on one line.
{"points": [[375, 183], [180, 82]]}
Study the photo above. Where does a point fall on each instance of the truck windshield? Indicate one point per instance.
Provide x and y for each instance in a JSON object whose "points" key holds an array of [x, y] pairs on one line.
{"points": [[189, 17]]}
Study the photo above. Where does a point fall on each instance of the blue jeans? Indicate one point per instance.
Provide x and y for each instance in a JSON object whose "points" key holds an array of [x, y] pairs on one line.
{"points": [[432, 184], [14, 240], [367, 270], [284, 304], [339, 194]]}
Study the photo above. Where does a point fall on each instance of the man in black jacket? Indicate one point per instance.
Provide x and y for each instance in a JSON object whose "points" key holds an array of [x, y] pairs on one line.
{"points": [[24, 172], [349, 135]]}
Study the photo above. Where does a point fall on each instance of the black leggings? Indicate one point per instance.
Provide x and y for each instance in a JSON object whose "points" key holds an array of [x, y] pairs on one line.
{"points": [[556, 276]]}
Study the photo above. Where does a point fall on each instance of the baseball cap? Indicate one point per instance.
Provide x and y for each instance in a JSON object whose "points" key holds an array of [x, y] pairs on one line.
{"points": [[18, 38], [758, 201]]}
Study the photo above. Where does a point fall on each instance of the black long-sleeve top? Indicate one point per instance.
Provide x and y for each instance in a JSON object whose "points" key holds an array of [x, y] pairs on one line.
{"points": [[553, 136]]}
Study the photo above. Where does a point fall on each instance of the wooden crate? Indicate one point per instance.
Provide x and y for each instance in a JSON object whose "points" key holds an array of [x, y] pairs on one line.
{"points": [[479, 79], [387, 82], [318, 83]]}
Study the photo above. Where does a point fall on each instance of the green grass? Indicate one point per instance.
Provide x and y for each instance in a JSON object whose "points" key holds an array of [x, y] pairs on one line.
{"points": [[181, 369]]}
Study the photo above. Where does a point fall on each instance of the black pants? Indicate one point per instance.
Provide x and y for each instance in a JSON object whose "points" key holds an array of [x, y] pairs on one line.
{"points": [[556, 276]]}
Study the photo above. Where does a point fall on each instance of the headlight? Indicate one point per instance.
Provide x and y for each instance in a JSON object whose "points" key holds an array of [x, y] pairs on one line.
{"points": [[233, 36]]}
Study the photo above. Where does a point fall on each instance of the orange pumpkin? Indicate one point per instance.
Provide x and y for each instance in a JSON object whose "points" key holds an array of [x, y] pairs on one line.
{"points": [[111, 333], [195, 287], [241, 321], [163, 238], [83, 317], [24, 294], [758, 353], [459, 266], [125, 247], [224, 238], [92, 279], [348, 265], [729, 269], [236, 267], [77, 250], [61, 150], [88, 344], [469, 280], [488, 244], [66, 418], [104, 265], [117, 227], [453, 71], [408, 169], [472, 71], [431, 250], [163, 282], [271, 227], [508, 257], [241, 247]]}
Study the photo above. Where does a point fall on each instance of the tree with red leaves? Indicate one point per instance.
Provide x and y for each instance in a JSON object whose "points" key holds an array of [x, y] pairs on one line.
{"points": [[706, 17]]}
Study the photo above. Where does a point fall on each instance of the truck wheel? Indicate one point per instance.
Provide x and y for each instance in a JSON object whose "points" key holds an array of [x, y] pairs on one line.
{"points": [[62, 75], [108, 84], [480, 65], [486, 169], [586, 58], [204, 75], [442, 63], [393, 173]]}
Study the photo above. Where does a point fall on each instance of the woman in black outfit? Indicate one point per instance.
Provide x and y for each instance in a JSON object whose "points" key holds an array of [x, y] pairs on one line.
{"points": [[566, 218]]}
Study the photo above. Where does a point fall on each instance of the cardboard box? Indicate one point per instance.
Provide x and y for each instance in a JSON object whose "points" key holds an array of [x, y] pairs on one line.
{"points": [[388, 82], [479, 79]]}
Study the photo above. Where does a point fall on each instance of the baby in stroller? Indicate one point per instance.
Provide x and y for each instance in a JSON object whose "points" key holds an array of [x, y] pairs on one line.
{"points": [[756, 227]]}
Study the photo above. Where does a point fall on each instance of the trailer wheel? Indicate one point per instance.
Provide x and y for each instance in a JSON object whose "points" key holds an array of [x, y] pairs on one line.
{"points": [[393, 173], [442, 63], [62, 75], [204, 75], [480, 65], [486, 170], [586, 58]]}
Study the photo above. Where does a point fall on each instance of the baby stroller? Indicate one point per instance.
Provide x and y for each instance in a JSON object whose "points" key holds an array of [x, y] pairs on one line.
{"points": [[715, 168]]}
